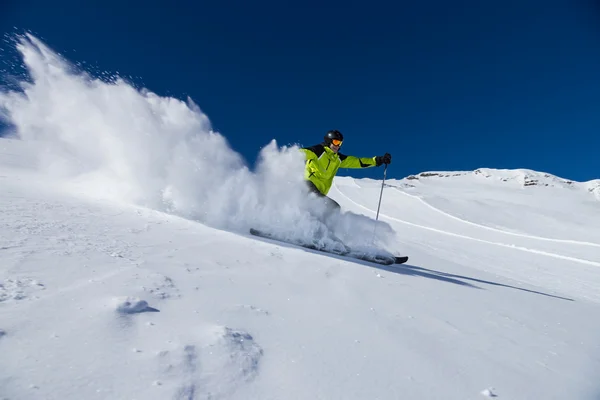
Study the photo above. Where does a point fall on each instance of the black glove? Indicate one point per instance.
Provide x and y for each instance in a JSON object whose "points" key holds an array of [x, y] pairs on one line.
{"points": [[384, 159]]}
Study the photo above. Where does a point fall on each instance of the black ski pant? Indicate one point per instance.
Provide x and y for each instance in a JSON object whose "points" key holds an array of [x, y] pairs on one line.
{"points": [[330, 205]]}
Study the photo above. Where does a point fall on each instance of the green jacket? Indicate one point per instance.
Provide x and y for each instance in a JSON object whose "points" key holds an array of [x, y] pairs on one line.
{"points": [[322, 164]]}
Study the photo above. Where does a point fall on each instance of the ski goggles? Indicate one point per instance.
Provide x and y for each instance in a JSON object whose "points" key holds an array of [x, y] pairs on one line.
{"points": [[336, 142]]}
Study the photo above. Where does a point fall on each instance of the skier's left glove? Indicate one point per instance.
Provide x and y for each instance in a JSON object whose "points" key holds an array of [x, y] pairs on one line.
{"points": [[384, 159]]}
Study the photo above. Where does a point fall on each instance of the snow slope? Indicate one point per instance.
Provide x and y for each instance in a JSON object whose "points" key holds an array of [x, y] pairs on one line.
{"points": [[484, 196], [126, 272]]}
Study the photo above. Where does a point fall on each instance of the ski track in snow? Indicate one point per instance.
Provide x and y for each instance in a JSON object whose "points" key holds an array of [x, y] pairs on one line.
{"points": [[510, 246], [523, 235]]}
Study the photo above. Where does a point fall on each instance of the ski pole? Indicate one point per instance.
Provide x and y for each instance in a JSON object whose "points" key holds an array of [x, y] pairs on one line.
{"points": [[381, 193], [379, 205]]}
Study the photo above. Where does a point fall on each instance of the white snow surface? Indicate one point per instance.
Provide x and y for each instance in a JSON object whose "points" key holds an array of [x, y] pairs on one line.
{"points": [[126, 270]]}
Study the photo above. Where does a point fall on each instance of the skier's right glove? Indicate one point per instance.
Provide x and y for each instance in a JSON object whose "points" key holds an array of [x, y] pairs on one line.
{"points": [[384, 159]]}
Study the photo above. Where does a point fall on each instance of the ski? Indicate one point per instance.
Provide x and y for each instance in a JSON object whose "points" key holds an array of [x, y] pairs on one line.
{"points": [[345, 252]]}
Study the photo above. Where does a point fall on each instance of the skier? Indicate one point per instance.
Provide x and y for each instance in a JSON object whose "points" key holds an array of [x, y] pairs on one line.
{"points": [[323, 161]]}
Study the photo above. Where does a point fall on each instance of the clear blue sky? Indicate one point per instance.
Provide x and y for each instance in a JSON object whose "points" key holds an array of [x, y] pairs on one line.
{"points": [[441, 85]]}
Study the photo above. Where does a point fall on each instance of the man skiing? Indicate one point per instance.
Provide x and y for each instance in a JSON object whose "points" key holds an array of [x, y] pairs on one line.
{"points": [[323, 161]]}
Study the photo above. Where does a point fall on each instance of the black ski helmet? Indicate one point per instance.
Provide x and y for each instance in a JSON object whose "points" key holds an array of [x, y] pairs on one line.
{"points": [[334, 134]]}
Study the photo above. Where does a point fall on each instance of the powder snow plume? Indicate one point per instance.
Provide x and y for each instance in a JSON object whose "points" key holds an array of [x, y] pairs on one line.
{"points": [[111, 140]]}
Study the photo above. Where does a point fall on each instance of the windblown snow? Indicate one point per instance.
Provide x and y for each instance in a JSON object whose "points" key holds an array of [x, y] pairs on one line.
{"points": [[126, 270]]}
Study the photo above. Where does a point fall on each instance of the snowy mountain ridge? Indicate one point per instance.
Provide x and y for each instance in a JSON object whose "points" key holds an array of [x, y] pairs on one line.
{"points": [[521, 177]]}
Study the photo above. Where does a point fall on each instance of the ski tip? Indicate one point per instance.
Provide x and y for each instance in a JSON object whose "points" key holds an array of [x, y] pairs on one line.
{"points": [[400, 260]]}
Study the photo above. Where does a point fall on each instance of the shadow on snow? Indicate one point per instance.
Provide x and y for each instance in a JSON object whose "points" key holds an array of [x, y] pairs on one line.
{"points": [[407, 269], [412, 270]]}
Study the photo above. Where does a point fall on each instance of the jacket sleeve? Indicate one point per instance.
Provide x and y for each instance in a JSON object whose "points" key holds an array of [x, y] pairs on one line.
{"points": [[356, 162]]}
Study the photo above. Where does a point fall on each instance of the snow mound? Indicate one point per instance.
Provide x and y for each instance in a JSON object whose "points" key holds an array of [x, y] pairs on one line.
{"points": [[214, 366], [132, 305], [235, 357], [488, 393], [245, 354]]}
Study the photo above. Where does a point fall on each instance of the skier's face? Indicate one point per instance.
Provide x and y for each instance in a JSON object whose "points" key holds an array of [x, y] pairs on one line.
{"points": [[335, 145]]}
